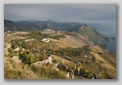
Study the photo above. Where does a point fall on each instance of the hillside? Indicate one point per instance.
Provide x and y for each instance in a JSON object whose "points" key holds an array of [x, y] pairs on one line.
{"points": [[90, 33], [10, 26], [52, 54], [41, 25]]}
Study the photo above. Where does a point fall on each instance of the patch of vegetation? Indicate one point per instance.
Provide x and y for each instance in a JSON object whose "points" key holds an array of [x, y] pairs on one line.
{"points": [[108, 73], [12, 54], [10, 74], [18, 43], [13, 70], [29, 59], [109, 59], [57, 37], [48, 73], [36, 35], [73, 52]]}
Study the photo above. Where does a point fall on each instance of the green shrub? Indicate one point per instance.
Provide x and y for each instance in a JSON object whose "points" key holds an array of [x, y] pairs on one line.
{"points": [[29, 59]]}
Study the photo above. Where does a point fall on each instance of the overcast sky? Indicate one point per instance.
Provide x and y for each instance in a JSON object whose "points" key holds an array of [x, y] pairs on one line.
{"points": [[105, 14]]}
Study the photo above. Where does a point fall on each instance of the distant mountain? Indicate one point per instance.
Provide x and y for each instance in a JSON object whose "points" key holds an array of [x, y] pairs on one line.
{"points": [[36, 25], [28, 26], [91, 34], [10, 26], [41, 25], [86, 30]]}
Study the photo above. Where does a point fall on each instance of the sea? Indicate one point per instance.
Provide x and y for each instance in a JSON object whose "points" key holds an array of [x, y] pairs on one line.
{"points": [[111, 45]]}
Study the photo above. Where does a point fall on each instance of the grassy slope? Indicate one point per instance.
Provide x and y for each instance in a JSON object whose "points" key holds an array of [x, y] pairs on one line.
{"points": [[25, 71]]}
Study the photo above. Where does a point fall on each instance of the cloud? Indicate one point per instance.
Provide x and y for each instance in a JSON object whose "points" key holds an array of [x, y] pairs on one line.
{"points": [[100, 13]]}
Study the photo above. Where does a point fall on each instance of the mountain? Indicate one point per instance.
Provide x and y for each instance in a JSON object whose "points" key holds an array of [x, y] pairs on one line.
{"points": [[40, 25], [28, 26], [90, 33], [10, 26], [86, 30], [56, 50], [36, 25]]}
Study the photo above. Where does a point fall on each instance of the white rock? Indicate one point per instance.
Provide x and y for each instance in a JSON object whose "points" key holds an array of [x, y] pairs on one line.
{"points": [[16, 49]]}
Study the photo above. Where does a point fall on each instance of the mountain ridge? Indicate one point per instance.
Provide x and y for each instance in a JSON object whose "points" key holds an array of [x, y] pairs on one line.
{"points": [[88, 31]]}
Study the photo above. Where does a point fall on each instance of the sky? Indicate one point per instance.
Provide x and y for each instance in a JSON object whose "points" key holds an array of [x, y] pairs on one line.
{"points": [[86, 13]]}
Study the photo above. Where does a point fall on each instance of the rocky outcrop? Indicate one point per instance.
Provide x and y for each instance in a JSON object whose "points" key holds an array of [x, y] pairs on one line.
{"points": [[44, 62]]}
